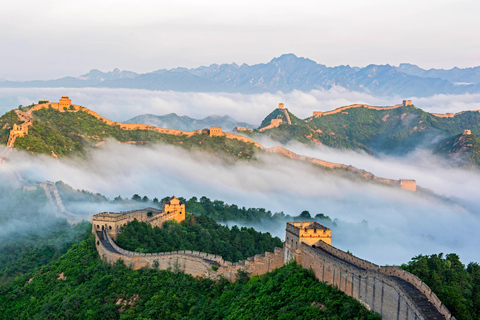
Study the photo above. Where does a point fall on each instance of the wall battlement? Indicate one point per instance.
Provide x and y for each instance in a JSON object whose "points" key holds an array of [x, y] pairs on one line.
{"points": [[390, 291], [173, 209], [215, 132]]}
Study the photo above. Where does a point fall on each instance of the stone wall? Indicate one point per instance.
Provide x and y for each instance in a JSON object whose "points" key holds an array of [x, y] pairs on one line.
{"points": [[409, 185], [375, 287], [340, 109], [191, 262], [273, 124]]}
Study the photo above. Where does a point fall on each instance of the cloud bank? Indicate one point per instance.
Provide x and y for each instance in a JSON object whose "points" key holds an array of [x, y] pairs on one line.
{"points": [[399, 224], [123, 104]]}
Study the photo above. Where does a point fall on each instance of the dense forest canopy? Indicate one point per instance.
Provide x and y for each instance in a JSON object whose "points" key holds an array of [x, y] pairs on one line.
{"points": [[457, 286], [79, 285], [32, 260], [198, 233]]}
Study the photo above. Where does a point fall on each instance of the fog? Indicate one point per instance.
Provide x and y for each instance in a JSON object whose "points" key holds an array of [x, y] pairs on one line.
{"points": [[399, 224], [123, 104]]}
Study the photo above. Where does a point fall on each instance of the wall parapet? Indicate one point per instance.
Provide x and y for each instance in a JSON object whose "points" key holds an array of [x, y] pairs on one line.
{"points": [[208, 256], [384, 273], [365, 274], [258, 264], [361, 263], [420, 285]]}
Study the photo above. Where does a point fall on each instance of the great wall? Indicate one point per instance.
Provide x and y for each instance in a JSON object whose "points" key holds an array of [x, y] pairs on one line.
{"points": [[65, 105], [393, 293], [390, 291]]}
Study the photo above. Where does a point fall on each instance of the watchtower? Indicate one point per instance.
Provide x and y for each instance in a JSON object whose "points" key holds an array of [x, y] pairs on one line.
{"points": [[176, 207], [19, 129], [467, 132], [64, 102], [406, 184], [407, 103], [308, 232], [173, 209], [281, 106], [215, 131]]}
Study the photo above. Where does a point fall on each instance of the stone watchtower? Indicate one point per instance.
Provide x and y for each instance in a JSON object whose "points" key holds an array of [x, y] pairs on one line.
{"points": [[64, 102], [216, 131], [173, 209], [176, 207], [467, 132], [281, 106], [308, 232], [407, 103]]}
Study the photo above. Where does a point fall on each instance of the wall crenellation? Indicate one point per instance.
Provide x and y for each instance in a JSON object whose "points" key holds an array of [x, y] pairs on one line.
{"points": [[378, 288], [173, 209]]}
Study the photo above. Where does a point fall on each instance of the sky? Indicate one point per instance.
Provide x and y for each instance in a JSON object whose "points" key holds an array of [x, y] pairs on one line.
{"points": [[51, 38]]}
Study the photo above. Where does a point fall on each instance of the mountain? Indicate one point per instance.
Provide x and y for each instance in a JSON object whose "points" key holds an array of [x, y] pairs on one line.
{"points": [[463, 148], [98, 76], [173, 121], [285, 73], [74, 131], [391, 130], [455, 75], [59, 132]]}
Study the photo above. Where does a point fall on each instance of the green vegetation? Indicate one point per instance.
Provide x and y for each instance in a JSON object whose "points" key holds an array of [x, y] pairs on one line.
{"points": [[31, 236], [456, 286], [463, 148], [223, 212], [70, 133], [91, 289], [6, 124], [395, 131], [199, 233], [22, 252]]}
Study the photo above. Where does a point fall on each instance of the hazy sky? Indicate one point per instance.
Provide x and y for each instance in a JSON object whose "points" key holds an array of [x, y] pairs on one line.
{"points": [[50, 38]]}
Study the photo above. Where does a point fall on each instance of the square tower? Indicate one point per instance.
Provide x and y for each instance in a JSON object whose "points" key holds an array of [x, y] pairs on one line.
{"points": [[64, 102], [307, 232], [215, 131]]}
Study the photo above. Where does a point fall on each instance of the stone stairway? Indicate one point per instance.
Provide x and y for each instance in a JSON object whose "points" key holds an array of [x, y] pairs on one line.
{"points": [[287, 116], [105, 242], [428, 309]]}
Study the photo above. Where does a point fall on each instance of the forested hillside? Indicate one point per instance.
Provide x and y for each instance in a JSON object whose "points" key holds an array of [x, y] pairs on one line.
{"points": [[392, 131], [457, 286], [74, 133], [198, 233], [462, 148]]}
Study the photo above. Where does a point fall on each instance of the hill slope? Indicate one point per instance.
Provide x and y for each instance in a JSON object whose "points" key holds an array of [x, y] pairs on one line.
{"points": [[75, 131], [173, 121], [464, 148], [391, 130], [79, 285]]}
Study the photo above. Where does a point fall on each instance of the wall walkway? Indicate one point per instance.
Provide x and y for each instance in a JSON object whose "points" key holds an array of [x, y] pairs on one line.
{"points": [[392, 292], [191, 262]]}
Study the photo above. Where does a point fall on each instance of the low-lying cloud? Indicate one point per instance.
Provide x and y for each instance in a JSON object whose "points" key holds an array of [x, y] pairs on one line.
{"points": [[400, 224], [123, 104]]}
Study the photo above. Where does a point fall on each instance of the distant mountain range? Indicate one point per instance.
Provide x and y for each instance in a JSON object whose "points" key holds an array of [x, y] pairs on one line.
{"points": [[174, 121], [285, 73]]}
